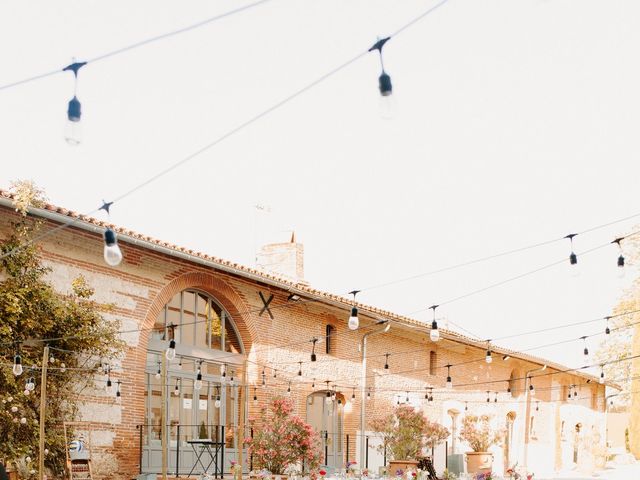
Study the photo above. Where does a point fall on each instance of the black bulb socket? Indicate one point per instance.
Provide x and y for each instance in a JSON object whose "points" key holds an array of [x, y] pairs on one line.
{"points": [[621, 261], [74, 112], [573, 258], [385, 84], [110, 237]]}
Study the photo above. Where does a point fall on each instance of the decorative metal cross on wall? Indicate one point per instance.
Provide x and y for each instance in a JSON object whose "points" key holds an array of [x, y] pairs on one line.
{"points": [[266, 302]]}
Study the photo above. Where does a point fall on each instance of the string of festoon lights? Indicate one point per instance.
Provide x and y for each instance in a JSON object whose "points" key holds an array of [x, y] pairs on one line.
{"points": [[170, 352], [17, 367], [332, 392]]}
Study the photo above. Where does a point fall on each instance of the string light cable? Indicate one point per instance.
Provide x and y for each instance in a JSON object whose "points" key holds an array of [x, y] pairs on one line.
{"points": [[246, 123], [141, 43]]}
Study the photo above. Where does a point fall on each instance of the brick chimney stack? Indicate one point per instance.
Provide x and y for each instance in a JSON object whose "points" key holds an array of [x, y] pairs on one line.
{"points": [[286, 259]]}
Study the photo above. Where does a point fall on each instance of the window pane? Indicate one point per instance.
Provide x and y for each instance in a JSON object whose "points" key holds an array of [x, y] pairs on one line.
{"points": [[174, 417], [202, 308], [202, 410], [188, 318], [216, 327], [188, 429], [173, 315], [231, 339], [158, 327], [155, 405]]}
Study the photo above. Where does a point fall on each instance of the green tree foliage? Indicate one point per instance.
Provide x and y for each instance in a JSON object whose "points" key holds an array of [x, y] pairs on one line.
{"points": [[31, 310], [405, 431], [619, 344]]}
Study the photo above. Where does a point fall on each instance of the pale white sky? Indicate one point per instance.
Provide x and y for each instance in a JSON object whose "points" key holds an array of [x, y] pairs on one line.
{"points": [[516, 122]]}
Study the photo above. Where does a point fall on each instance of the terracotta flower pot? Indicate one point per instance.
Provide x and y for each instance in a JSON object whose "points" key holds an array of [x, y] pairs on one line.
{"points": [[479, 462], [403, 465]]}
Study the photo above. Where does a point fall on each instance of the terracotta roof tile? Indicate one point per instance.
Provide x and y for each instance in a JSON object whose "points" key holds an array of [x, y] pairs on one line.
{"points": [[303, 289]]}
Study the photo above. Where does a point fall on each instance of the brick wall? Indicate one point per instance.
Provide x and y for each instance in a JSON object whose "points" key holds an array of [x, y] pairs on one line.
{"points": [[146, 280]]}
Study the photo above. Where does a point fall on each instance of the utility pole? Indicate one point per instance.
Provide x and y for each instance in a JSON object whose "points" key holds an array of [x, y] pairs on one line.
{"points": [[363, 389], [163, 417], [243, 406], [43, 407]]}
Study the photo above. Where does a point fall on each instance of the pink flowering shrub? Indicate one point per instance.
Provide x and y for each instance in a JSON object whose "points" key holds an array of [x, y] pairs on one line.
{"points": [[282, 438]]}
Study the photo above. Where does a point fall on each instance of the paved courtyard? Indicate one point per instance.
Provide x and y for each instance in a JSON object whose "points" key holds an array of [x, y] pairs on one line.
{"points": [[612, 472]]}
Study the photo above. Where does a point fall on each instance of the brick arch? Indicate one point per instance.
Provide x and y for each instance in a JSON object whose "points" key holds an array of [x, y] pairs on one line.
{"points": [[214, 286]]}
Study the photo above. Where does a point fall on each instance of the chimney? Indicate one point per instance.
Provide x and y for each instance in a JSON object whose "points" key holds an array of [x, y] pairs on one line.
{"points": [[285, 259]]}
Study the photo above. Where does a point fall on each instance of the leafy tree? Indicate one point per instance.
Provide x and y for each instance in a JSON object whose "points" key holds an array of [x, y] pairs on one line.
{"points": [[405, 431], [619, 343], [32, 310]]}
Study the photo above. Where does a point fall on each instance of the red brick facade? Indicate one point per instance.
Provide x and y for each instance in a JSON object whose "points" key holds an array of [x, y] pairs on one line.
{"points": [[147, 279]]}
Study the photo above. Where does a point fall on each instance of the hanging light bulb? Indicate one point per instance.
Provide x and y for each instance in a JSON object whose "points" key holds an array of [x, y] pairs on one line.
{"points": [[300, 369], [386, 361], [585, 351], [532, 390], [274, 373], [31, 384], [255, 396], [223, 369], [369, 394], [488, 399], [466, 406], [328, 399], [537, 406], [109, 386], [63, 367], [17, 365], [434, 334], [73, 128], [575, 392], [601, 374], [118, 394], [313, 385], [264, 378], [431, 394], [354, 322], [289, 390], [387, 102], [495, 400], [353, 395], [313, 350], [488, 358], [170, 353], [573, 258], [176, 391], [621, 269], [158, 373], [52, 359], [112, 253], [607, 330], [197, 385], [217, 402], [449, 383], [231, 378], [407, 399]]}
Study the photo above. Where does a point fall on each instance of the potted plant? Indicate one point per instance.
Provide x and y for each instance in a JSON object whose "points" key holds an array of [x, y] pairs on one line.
{"points": [[479, 434], [282, 439], [404, 433]]}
